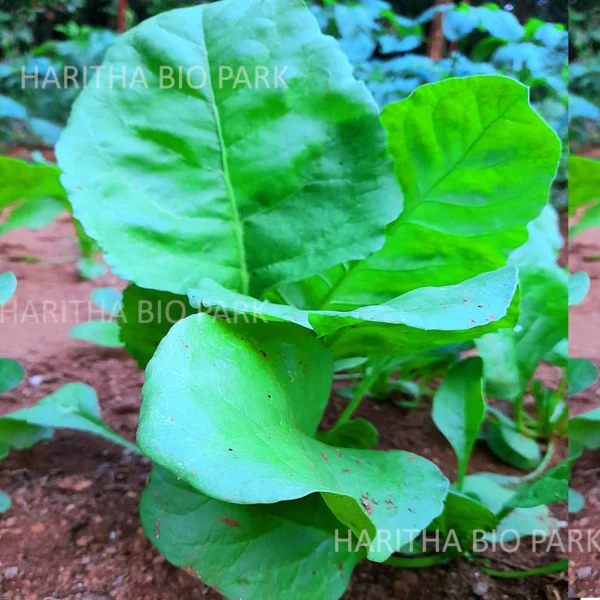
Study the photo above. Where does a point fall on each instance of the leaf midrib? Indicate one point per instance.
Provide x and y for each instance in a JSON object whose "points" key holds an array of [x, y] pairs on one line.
{"points": [[237, 222]]}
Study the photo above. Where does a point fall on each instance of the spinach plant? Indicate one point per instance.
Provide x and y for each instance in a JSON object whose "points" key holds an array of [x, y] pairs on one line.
{"points": [[74, 406], [499, 506], [33, 197], [277, 214]]}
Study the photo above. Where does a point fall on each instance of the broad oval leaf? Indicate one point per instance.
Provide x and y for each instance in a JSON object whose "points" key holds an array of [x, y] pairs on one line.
{"points": [[146, 317], [419, 320], [251, 183], [245, 551], [475, 163], [245, 399]]}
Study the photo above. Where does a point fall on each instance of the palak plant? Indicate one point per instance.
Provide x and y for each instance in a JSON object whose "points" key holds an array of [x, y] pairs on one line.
{"points": [[74, 406], [277, 214], [32, 197]]}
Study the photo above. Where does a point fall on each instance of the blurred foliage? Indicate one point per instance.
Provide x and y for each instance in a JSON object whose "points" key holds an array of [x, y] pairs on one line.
{"points": [[584, 77], [390, 53], [38, 109]]}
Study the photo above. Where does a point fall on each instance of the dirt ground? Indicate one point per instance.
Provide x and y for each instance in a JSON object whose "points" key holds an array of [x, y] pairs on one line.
{"points": [[73, 531], [584, 341]]}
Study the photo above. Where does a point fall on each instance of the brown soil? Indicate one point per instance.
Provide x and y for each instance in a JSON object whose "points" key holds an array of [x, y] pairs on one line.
{"points": [[584, 341], [73, 531]]}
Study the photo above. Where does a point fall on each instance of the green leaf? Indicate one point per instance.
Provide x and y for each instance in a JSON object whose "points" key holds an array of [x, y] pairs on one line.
{"points": [[584, 189], [550, 487], [5, 502], [146, 318], [20, 435], [417, 321], [358, 433], [245, 399], [248, 186], [33, 213], [459, 410], [475, 163], [581, 374], [511, 446], [90, 268], [584, 182], [576, 501], [512, 356], [28, 182], [579, 286], [11, 374], [109, 300], [249, 551], [74, 406], [584, 430], [8, 286], [463, 516], [494, 491], [100, 333]]}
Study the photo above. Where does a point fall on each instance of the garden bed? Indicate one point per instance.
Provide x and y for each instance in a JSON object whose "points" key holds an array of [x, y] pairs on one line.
{"points": [[584, 319], [74, 529]]}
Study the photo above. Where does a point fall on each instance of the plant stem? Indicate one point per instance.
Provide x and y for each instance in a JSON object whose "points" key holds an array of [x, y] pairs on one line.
{"points": [[552, 568], [418, 562], [359, 393]]}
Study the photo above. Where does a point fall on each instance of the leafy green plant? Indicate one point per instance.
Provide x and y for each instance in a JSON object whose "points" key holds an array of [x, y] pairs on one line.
{"points": [[279, 215], [105, 331], [33, 197], [34, 112], [74, 406], [584, 192]]}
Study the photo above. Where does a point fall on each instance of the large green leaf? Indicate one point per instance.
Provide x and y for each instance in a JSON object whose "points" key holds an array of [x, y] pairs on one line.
{"points": [[74, 406], [249, 551], [250, 186], [24, 181], [146, 317], [245, 399], [584, 189], [584, 182], [475, 162], [419, 320], [459, 410], [511, 356]]}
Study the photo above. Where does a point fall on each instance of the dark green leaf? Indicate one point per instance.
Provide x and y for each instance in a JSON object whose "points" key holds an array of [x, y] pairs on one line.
{"points": [[358, 433], [248, 185], [246, 399], [416, 321], [459, 410], [249, 551]]}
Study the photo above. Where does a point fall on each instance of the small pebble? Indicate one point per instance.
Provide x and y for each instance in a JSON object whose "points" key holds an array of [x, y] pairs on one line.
{"points": [[10, 572], [584, 572], [480, 587], [36, 380]]}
